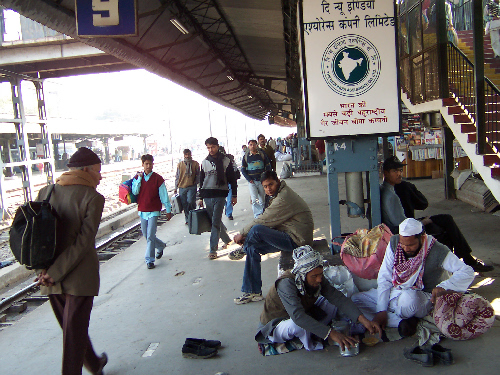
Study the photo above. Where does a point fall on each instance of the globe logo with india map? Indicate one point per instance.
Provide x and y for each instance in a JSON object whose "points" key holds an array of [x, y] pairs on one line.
{"points": [[351, 65]]}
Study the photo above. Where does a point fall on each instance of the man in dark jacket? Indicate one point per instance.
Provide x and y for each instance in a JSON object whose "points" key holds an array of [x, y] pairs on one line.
{"points": [[397, 203], [302, 303], [72, 281], [216, 173]]}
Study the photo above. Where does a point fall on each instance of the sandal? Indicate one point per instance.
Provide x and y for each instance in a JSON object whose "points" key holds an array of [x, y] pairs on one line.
{"points": [[224, 247], [212, 255]]}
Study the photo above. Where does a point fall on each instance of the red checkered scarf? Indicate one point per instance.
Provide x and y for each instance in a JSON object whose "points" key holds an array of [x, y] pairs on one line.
{"points": [[404, 269]]}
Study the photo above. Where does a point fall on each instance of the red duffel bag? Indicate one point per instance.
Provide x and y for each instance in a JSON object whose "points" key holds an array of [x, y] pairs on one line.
{"points": [[363, 251]]}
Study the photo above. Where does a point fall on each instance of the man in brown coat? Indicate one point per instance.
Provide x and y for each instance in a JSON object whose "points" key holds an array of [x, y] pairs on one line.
{"points": [[72, 281]]}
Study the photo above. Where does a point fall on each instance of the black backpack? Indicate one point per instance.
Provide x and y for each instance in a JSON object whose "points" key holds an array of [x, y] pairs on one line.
{"points": [[33, 234]]}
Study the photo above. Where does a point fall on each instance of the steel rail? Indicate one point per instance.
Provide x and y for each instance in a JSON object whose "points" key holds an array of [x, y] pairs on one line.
{"points": [[7, 302]]}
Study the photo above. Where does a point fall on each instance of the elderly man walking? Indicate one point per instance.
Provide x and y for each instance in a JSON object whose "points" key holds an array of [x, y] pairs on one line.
{"points": [[413, 273], [72, 281], [302, 303], [187, 178], [286, 224]]}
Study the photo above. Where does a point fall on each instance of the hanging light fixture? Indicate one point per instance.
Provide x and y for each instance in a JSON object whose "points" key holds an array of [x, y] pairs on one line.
{"points": [[179, 26]]}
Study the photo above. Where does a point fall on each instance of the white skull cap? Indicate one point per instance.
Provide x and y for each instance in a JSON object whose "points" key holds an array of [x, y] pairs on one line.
{"points": [[410, 227]]}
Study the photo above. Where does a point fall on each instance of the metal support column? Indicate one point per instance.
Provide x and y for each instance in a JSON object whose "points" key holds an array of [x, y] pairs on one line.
{"points": [[442, 38], [49, 166], [22, 138], [448, 163], [352, 155], [477, 11]]}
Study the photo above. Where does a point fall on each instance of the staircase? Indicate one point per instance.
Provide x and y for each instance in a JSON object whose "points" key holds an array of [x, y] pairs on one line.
{"points": [[491, 65], [463, 128]]}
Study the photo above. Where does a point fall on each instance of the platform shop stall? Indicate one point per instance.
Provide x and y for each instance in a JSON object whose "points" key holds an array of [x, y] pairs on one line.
{"points": [[421, 147]]}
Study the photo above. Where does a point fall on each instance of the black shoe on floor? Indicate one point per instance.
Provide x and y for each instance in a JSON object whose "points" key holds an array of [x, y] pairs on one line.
{"points": [[197, 351], [442, 355], [479, 266], [230, 217], [150, 266], [420, 355], [202, 342], [159, 254]]}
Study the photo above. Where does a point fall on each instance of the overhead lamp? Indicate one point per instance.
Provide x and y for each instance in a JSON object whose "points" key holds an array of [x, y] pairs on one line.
{"points": [[250, 97], [230, 78], [179, 26]]}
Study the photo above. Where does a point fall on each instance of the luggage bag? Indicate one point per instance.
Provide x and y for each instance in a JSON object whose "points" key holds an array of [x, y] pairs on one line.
{"points": [[199, 221], [175, 201]]}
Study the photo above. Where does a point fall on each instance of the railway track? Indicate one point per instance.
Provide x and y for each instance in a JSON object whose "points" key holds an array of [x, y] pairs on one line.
{"points": [[26, 296]]}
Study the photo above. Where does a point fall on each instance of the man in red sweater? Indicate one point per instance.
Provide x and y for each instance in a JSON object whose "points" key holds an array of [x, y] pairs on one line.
{"points": [[151, 194]]}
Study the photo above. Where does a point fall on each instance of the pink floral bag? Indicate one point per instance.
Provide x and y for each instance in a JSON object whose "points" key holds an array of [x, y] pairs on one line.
{"points": [[463, 316], [363, 251]]}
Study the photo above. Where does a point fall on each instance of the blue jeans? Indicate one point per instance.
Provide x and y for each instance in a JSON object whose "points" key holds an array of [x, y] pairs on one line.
{"points": [[259, 241], [258, 196], [148, 228], [215, 206], [188, 199], [229, 205]]}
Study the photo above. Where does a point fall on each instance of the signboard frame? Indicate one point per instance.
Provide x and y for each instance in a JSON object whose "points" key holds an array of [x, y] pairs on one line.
{"points": [[306, 89]]}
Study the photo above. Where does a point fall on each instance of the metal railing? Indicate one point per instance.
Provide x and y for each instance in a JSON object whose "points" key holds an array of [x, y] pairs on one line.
{"points": [[419, 75], [462, 87], [420, 81]]}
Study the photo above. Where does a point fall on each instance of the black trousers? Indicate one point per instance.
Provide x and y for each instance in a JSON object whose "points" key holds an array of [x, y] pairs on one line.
{"points": [[446, 231], [73, 315]]}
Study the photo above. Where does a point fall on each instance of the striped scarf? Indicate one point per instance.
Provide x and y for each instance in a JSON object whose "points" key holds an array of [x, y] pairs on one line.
{"points": [[406, 269], [306, 259]]}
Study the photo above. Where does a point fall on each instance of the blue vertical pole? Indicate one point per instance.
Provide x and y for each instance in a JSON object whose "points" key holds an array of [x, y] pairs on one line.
{"points": [[333, 192]]}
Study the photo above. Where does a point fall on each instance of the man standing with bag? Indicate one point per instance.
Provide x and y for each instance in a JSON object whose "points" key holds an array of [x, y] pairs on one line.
{"points": [[186, 179], [151, 193], [216, 173], [72, 281]]}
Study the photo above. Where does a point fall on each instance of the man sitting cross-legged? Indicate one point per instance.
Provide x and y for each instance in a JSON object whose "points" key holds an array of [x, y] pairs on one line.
{"points": [[286, 223], [413, 273], [302, 304]]}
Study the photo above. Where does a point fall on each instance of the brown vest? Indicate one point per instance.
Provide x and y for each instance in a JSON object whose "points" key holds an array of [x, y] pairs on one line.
{"points": [[273, 307], [184, 180]]}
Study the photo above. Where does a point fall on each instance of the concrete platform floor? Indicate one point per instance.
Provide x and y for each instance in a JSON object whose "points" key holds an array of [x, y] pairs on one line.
{"points": [[188, 295]]}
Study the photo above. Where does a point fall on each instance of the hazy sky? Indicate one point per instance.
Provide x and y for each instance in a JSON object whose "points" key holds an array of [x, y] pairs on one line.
{"points": [[138, 102]]}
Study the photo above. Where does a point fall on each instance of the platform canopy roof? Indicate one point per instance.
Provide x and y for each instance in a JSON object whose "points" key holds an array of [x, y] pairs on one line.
{"points": [[242, 54]]}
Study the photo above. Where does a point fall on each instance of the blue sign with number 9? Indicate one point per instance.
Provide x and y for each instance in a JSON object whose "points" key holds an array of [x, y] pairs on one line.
{"points": [[106, 18]]}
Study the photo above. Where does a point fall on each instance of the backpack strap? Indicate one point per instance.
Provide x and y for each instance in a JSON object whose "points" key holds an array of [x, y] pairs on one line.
{"points": [[51, 188]]}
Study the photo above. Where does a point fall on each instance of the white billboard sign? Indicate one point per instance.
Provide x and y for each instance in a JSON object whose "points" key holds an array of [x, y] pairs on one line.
{"points": [[349, 67]]}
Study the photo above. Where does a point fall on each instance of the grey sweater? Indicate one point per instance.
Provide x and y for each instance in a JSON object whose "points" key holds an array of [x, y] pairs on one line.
{"points": [[293, 308]]}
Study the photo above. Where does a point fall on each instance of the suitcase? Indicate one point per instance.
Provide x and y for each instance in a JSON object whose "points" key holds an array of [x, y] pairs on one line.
{"points": [[199, 221], [175, 201]]}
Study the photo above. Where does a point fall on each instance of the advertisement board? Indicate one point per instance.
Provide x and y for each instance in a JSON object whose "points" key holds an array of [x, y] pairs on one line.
{"points": [[349, 67]]}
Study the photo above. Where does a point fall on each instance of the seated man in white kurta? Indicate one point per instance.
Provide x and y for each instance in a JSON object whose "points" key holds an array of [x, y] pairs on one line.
{"points": [[412, 274]]}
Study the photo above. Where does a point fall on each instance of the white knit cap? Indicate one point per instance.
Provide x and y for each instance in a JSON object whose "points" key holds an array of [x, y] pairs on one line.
{"points": [[410, 227]]}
